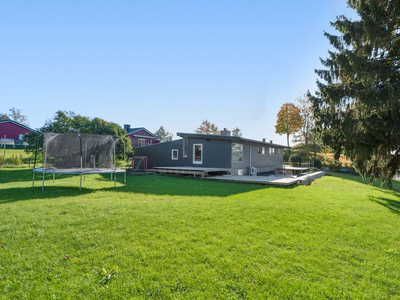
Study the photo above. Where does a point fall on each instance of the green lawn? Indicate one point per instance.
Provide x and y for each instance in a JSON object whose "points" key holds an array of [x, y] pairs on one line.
{"points": [[162, 237]]}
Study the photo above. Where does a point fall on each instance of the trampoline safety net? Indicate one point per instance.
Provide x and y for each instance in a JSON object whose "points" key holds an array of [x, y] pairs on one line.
{"points": [[72, 150]]}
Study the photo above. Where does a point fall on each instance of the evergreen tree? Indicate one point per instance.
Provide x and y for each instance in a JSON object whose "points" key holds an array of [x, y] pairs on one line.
{"points": [[357, 106], [163, 135], [289, 120]]}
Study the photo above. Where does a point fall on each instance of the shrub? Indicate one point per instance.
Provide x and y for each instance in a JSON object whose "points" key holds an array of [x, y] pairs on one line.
{"points": [[286, 154], [295, 158], [317, 163], [3, 160]]}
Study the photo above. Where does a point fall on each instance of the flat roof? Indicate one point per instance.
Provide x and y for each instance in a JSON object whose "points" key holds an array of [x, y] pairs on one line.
{"points": [[227, 138]]}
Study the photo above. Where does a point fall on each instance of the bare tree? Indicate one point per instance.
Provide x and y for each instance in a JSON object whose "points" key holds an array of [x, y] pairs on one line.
{"points": [[16, 115]]}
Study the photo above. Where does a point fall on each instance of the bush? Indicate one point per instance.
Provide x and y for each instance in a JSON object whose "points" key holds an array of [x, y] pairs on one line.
{"points": [[317, 163], [16, 160], [3, 160], [286, 154], [333, 165], [295, 158]]}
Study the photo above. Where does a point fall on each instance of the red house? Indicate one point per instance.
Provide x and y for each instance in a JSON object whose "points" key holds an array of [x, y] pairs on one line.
{"points": [[140, 136], [13, 130]]}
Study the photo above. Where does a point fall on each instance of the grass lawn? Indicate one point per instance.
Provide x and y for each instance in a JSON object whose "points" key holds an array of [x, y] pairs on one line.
{"points": [[162, 237]]}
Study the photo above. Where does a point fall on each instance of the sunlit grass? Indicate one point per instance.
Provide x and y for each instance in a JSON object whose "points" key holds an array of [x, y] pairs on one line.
{"points": [[162, 237]]}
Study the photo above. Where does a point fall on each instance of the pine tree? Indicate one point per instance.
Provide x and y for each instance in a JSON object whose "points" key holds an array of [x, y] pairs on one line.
{"points": [[357, 107], [289, 120], [163, 135]]}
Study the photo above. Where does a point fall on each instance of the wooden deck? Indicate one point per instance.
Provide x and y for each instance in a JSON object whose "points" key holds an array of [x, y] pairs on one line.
{"points": [[202, 172], [271, 179]]}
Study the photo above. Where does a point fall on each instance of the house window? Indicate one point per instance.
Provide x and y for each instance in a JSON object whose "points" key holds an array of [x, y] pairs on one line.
{"points": [[237, 152], [261, 150], [185, 147], [271, 151], [21, 136], [198, 153], [141, 142], [174, 154], [279, 150]]}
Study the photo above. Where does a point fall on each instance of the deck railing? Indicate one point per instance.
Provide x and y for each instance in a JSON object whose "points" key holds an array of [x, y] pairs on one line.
{"points": [[305, 164]]}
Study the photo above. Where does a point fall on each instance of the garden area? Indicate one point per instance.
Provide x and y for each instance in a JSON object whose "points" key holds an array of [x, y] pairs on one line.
{"points": [[166, 237]]}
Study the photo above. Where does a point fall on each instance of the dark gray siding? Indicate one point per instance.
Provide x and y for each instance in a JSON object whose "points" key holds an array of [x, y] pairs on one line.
{"points": [[263, 163], [216, 153], [160, 155]]}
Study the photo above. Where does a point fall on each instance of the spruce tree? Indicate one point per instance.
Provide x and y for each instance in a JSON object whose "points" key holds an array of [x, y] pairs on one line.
{"points": [[357, 107]]}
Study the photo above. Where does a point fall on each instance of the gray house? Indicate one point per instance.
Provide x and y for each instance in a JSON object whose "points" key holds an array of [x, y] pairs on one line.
{"points": [[238, 154]]}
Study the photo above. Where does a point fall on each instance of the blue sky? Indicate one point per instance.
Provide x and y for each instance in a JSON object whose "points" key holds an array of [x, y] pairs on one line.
{"points": [[170, 63]]}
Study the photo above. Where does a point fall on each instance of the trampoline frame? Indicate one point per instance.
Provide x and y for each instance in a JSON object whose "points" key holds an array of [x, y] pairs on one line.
{"points": [[79, 171]]}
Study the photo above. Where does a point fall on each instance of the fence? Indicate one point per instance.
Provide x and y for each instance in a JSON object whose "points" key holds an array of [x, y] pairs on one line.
{"points": [[306, 164]]}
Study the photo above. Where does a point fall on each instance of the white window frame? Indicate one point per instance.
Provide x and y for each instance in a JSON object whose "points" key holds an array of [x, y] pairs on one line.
{"points": [[194, 153], [172, 154], [185, 147], [140, 142], [271, 151], [262, 152], [241, 146]]}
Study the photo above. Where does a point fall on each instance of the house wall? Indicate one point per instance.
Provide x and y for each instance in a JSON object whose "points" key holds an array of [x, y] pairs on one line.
{"points": [[216, 153], [263, 163], [142, 134], [11, 130], [160, 155]]}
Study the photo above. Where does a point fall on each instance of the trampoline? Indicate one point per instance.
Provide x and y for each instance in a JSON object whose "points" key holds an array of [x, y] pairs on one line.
{"points": [[78, 154]]}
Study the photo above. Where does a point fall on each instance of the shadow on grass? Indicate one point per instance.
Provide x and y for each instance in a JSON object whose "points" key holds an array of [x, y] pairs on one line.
{"points": [[140, 184], [15, 174], [176, 185], [376, 183], [393, 205], [30, 193]]}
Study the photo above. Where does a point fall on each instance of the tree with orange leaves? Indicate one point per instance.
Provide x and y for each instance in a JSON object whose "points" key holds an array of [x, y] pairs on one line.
{"points": [[289, 120]]}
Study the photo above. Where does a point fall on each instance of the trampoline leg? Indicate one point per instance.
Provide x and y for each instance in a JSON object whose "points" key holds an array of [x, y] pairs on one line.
{"points": [[54, 177], [33, 179], [80, 185], [125, 177], [115, 179], [111, 176], [43, 183]]}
